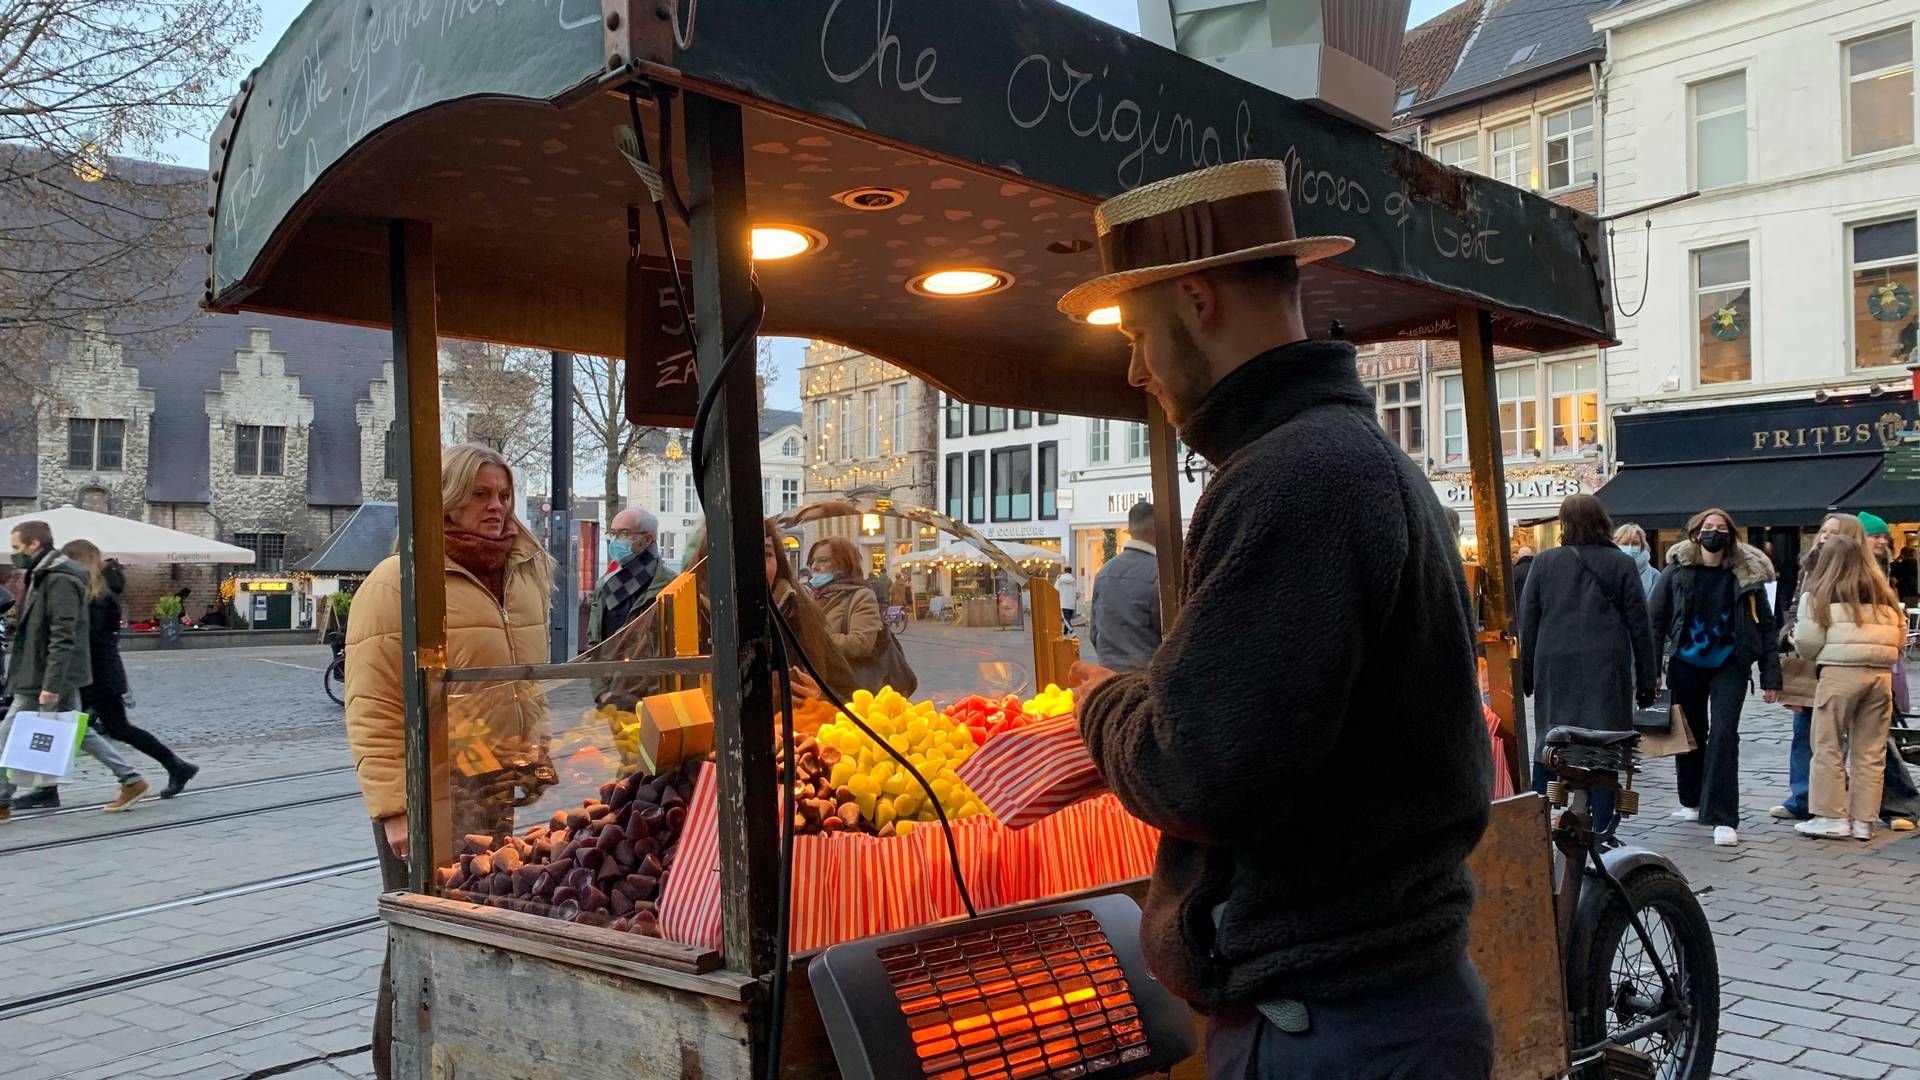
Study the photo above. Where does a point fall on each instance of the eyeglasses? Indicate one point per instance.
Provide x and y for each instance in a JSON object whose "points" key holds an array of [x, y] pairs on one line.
{"points": [[627, 534]]}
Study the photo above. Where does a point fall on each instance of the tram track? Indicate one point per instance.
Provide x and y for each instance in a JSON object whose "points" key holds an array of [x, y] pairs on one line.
{"points": [[237, 785], [231, 892], [181, 823]]}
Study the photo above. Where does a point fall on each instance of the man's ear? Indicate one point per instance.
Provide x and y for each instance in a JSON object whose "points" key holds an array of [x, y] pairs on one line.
{"points": [[1196, 300]]}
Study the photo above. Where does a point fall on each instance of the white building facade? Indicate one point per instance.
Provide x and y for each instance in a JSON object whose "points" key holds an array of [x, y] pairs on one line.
{"points": [[1000, 472], [1106, 473]]}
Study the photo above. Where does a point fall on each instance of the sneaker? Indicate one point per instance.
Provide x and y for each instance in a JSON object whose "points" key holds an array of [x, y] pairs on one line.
{"points": [[129, 794], [177, 781], [1901, 824], [1724, 836], [45, 798], [1783, 814], [1686, 813], [1863, 830], [1829, 828]]}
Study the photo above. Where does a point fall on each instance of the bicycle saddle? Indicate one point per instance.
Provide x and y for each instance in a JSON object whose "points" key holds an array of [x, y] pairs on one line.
{"points": [[1575, 736]]}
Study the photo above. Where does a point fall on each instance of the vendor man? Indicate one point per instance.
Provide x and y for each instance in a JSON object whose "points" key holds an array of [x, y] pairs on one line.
{"points": [[1308, 738]]}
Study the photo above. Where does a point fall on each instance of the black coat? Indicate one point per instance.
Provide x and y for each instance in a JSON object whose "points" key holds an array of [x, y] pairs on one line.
{"points": [[1309, 737], [103, 637], [1586, 648], [1756, 634], [1522, 568]]}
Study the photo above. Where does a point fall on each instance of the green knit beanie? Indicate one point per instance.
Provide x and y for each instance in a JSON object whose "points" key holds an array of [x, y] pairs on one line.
{"points": [[1874, 524]]}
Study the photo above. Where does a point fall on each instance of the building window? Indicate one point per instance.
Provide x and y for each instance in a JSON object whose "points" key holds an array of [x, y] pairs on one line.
{"points": [[1022, 418], [269, 549], [1723, 312], [1399, 404], [982, 420], [1048, 419], [870, 411], [1049, 480], [820, 430], [955, 412], [390, 454], [1519, 390], [1013, 484], [663, 492], [1511, 151], [95, 444], [1136, 442], [1884, 285], [258, 451], [956, 493], [1880, 92], [1099, 441], [789, 495], [669, 544], [898, 434], [1453, 421], [790, 448], [1720, 131], [976, 486], [1461, 153], [1569, 147], [766, 495], [1574, 387], [689, 499], [846, 428]]}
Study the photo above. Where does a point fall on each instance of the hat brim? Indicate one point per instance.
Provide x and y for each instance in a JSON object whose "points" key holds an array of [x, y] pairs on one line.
{"points": [[1106, 290]]}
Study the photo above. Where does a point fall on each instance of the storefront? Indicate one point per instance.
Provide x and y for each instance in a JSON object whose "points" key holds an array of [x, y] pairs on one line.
{"points": [[1534, 494]]}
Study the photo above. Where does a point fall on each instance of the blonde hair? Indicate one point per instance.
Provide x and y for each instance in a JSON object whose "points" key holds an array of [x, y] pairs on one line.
{"points": [[459, 465], [1844, 574], [1630, 534], [86, 554]]}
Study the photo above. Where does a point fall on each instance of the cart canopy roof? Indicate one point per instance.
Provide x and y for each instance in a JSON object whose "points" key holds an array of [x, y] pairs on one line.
{"points": [[1002, 124]]}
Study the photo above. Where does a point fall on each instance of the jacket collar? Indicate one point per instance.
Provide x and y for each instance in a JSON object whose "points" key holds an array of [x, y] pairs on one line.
{"points": [[1751, 567], [1269, 390], [1140, 545]]}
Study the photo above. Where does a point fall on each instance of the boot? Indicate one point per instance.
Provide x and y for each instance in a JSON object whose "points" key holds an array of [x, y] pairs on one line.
{"points": [[44, 798], [130, 793], [178, 777]]}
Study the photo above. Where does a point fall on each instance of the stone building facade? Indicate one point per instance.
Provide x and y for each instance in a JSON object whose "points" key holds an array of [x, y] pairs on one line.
{"points": [[379, 453], [870, 434], [258, 430]]}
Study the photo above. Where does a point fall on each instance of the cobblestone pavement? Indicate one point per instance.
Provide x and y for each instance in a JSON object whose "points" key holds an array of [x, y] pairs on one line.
{"points": [[1819, 942]]}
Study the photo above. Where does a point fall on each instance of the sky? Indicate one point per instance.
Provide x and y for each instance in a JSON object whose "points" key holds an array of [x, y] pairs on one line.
{"points": [[277, 15]]}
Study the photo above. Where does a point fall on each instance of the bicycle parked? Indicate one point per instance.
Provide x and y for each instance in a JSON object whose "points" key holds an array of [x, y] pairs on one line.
{"points": [[336, 676]]}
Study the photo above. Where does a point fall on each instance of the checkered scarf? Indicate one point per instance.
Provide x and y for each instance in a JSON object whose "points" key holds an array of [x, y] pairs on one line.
{"points": [[625, 582]]}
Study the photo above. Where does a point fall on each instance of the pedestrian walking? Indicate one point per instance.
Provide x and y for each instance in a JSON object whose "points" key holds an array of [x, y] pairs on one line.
{"points": [[1632, 539], [1069, 589], [1522, 569], [104, 698], [1123, 623], [1586, 648], [1712, 624], [51, 662], [1800, 748], [1899, 800], [637, 576], [499, 584], [847, 604], [1849, 623], [1284, 900], [901, 594]]}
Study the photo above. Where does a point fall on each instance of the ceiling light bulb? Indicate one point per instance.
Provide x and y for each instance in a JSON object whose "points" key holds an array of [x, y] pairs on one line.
{"points": [[959, 282], [1106, 316], [772, 242]]}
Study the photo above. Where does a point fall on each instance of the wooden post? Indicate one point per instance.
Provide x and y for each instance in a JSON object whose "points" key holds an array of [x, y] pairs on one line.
{"points": [[742, 649], [423, 595], [1486, 457], [1163, 455]]}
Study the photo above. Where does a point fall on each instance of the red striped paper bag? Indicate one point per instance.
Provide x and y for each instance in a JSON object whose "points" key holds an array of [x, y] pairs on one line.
{"points": [[690, 902], [1022, 776]]}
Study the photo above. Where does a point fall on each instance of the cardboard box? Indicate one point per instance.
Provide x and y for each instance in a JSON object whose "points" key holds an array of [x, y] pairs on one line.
{"points": [[675, 727]]}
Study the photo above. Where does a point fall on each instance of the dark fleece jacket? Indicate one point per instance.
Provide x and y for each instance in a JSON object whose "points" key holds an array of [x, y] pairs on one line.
{"points": [[1309, 738]]}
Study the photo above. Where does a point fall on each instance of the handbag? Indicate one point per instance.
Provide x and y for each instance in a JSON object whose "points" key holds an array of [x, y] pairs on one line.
{"points": [[886, 667], [1798, 679], [1676, 740]]}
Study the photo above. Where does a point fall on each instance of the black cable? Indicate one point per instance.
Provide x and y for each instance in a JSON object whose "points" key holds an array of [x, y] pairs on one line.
{"points": [[783, 932], [668, 181]]}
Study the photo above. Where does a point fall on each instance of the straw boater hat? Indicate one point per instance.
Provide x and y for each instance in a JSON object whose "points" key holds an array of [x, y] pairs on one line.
{"points": [[1226, 214]]}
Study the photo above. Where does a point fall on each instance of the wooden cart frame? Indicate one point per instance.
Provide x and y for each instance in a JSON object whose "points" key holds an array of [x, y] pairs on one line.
{"points": [[450, 169]]}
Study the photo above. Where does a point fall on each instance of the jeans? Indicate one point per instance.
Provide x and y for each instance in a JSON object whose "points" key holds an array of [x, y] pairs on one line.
{"points": [[1599, 801], [94, 744], [1709, 776], [1799, 762], [1436, 1028]]}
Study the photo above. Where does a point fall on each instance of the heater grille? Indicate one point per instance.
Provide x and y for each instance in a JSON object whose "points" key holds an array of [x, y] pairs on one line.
{"points": [[1057, 993]]}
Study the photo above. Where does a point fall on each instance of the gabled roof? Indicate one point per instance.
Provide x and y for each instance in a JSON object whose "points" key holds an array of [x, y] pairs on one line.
{"points": [[1431, 51], [359, 544], [1519, 42], [772, 420]]}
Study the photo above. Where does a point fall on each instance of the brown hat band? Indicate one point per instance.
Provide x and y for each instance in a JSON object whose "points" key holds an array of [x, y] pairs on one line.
{"points": [[1199, 230]]}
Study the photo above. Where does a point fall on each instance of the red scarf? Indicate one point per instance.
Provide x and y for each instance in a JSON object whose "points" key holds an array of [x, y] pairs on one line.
{"points": [[485, 557]]}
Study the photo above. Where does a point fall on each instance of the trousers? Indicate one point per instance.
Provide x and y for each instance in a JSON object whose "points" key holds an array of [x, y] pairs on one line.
{"points": [[93, 744], [107, 714], [393, 878], [1436, 1028], [1853, 707], [1709, 775]]}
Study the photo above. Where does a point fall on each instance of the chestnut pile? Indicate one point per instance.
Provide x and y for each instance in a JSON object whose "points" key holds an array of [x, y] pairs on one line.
{"points": [[819, 805], [601, 864]]}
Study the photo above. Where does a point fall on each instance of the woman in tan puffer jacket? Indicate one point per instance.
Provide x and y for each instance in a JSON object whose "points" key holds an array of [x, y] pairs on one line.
{"points": [[1851, 625]]}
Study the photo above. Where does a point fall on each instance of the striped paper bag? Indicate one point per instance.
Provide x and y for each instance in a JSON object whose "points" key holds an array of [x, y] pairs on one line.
{"points": [[1024, 775], [690, 902], [814, 879]]}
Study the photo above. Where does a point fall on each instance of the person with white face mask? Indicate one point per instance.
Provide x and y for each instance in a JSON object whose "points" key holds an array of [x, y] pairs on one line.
{"points": [[637, 576], [1632, 539]]}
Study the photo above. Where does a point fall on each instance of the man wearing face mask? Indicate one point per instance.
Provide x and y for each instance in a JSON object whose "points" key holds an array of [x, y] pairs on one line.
{"points": [[636, 579], [1712, 623]]}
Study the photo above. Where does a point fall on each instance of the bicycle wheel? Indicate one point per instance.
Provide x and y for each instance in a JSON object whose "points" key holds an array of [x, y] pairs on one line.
{"points": [[336, 680], [1613, 986]]}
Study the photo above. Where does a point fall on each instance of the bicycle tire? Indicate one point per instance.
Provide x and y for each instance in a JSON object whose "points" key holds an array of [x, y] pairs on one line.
{"points": [[336, 681], [1611, 944]]}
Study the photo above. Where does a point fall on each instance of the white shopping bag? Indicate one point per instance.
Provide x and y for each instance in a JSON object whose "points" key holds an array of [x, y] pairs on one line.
{"points": [[43, 743]]}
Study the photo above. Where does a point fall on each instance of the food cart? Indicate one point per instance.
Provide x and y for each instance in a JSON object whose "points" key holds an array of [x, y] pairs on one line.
{"points": [[459, 169]]}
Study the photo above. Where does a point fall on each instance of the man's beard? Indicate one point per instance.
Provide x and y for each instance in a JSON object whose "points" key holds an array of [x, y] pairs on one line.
{"points": [[1188, 382]]}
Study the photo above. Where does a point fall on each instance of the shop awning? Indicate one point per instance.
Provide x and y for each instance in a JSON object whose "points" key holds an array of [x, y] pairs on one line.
{"points": [[130, 541], [1788, 491], [1894, 500]]}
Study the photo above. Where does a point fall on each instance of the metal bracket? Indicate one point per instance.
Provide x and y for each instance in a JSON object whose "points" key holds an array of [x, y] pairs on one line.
{"points": [[638, 31]]}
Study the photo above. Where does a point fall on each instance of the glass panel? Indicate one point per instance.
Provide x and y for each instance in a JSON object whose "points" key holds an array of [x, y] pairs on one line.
{"points": [[955, 491], [1883, 318], [1883, 240], [1876, 53], [79, 444], [977, 486], [112, 438], [1722, 265], [1718, 95], [1728, 355], [1020, 483], [1880, 112], [1416, 436], [246, 450], [663, 492], [391, 455], [1049, 479], [272, 443], [1022, 418], [1721, 144]]}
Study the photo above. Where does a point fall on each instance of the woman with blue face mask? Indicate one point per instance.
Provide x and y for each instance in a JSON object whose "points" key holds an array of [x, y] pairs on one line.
{"points": [[851, 612], [1632, 539]]}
